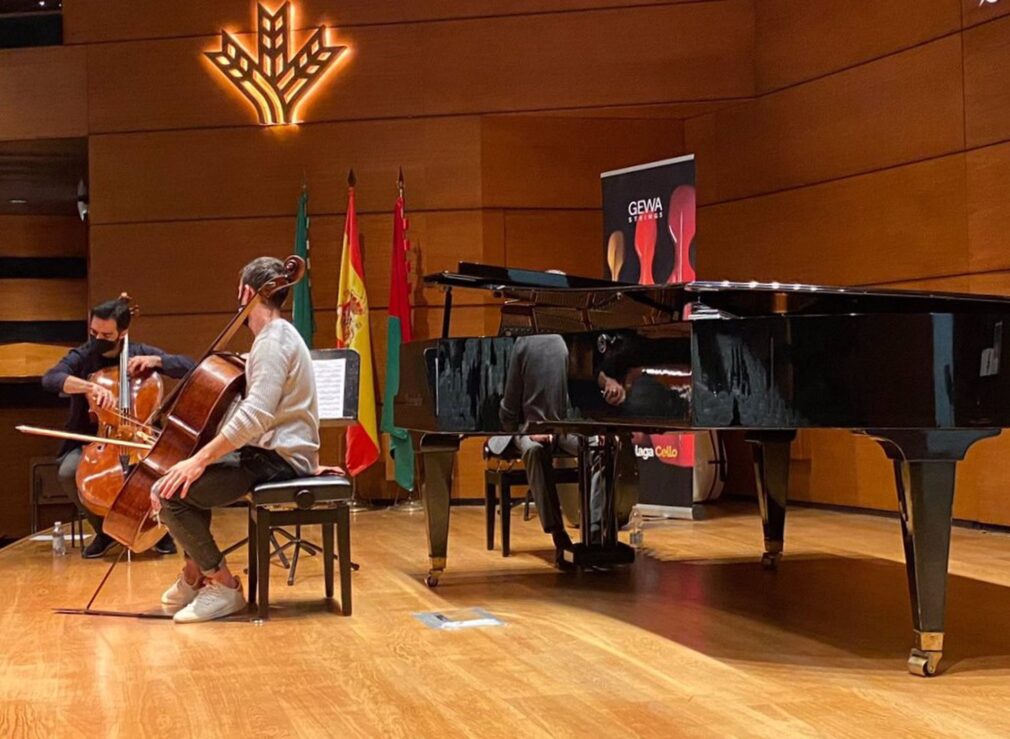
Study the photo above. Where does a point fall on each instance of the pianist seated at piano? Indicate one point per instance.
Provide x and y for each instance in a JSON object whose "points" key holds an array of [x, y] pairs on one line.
{"points": [[536, 390]]}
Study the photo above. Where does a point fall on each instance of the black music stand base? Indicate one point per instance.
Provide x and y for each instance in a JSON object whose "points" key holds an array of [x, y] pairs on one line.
{"points": [[299, 544]]}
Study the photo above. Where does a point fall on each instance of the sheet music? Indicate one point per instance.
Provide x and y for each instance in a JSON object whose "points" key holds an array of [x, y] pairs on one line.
{"points": [[330, 377]]}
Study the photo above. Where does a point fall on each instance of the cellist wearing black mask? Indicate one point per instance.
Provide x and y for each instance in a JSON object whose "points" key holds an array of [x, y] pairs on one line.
{"points": [[107, 325]]}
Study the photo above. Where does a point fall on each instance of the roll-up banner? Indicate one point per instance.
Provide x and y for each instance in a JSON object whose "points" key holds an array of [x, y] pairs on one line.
{"points": [[649, 228]]}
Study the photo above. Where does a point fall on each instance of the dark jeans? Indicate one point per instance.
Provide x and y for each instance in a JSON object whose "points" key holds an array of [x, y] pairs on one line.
{"points": [[68, 481], [222, 483]]}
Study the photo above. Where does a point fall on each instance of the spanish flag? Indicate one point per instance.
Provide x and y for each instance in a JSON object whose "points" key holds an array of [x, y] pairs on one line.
{"points": [[353, 333]]}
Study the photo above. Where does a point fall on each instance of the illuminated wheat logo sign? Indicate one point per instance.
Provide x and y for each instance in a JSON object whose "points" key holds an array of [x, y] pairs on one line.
{"points": [[275, 80]]}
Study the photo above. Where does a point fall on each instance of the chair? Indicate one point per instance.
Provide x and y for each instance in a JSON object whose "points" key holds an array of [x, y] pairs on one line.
{"points": [[303, 501], [47, 493], [503, 472]]}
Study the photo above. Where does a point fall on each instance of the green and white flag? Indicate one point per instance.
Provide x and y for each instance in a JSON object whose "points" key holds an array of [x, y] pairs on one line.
{"points": [[303, 318]]}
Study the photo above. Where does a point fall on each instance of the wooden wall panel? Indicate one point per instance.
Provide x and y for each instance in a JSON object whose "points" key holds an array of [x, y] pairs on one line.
{"points": [[233, 173], [951, 284], [197, 262], [16, 453], [986, 93], [449, 164], [837, 232], [689, 51], [975, 12], [183, 333], [671, 111], [89, 21], [990, 283], [798, 40], [44, 93], [904, 108], [571, 241], [846, 469], [982, 483], [988, 215], [533, 161], [25, 359], [43, 236], [43, 300]]}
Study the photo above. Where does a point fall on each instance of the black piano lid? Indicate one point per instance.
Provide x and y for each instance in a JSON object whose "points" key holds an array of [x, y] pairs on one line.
{"points": [[741, 299], [557, 290]]}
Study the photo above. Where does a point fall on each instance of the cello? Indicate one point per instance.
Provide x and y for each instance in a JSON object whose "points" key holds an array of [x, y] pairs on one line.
{"points": [[194, 413], [103, 465]]}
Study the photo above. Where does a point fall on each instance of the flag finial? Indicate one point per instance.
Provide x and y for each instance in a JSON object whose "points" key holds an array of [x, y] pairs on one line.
{"points": [[399, 183], [351, 179]]}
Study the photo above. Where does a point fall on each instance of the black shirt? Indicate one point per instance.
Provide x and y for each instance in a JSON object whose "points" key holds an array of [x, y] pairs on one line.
{"points": [[82, 362]]}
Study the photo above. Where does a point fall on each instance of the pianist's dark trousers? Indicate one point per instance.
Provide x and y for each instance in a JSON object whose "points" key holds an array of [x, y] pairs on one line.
{"points": [[539, 462]]}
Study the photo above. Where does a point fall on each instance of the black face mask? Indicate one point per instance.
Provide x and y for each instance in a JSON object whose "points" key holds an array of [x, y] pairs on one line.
{"points": [[102, 346]]}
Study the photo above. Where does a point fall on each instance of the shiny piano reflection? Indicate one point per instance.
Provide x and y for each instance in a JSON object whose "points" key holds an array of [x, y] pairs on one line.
{"points": [[921, 373]]}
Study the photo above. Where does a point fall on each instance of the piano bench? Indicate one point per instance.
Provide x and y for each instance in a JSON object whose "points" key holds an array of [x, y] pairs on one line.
{"points": [[503, 472], [303, 501]]}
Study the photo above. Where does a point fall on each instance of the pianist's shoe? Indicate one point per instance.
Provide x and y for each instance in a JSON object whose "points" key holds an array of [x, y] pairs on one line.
{"points": [[562, 544], [213, 600], [98, 547]]}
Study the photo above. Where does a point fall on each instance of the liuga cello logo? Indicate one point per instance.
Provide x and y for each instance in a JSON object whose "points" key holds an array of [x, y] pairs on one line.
{"points": [[662, 451], [275, 78], [650, 209]]}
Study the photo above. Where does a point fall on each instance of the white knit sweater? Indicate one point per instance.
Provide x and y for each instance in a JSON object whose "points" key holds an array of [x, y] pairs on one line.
{"points": [[280, 410]]}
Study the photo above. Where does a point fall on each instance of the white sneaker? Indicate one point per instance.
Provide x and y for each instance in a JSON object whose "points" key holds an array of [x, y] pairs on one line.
{"points": [[213, 600], [180, 594]]}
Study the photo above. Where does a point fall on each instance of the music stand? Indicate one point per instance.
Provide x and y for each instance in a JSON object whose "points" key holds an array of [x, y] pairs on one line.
{"points": [[338, 373]]}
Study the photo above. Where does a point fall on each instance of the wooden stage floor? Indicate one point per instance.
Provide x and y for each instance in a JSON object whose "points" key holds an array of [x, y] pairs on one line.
{"points": [[693, 640]]}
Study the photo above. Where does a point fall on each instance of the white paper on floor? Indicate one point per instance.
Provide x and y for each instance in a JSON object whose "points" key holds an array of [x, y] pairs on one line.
{"points": [[464, 618]]}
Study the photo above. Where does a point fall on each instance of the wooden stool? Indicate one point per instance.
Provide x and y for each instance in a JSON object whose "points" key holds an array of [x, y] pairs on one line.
{"points": [[303, 501]]}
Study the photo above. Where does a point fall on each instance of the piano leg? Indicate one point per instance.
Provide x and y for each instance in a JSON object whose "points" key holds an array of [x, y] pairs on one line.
{"points": [[924, 472], [925, 532], [771, 473], [437, 454]]}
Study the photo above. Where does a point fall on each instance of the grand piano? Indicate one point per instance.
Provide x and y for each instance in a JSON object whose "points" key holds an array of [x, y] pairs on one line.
{"points": [[921, 373]]}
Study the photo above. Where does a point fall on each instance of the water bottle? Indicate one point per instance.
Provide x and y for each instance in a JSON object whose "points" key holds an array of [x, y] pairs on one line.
{"points": [[59, 540], [637, 534]]}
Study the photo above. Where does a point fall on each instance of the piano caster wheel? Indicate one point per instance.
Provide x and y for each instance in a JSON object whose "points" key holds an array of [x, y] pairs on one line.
{"points": [[923, 664], [431, 581], [770, 561]]}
